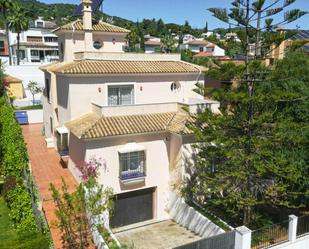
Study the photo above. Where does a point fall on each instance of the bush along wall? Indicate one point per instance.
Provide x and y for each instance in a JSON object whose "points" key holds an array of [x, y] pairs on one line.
{"points": [[13, 159]]}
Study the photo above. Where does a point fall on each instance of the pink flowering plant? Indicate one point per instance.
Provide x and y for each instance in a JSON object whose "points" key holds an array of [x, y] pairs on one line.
{"points": [[90, 170]]}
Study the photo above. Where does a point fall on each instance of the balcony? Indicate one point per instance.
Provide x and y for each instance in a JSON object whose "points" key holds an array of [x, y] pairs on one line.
{"points": [[132, 176]]}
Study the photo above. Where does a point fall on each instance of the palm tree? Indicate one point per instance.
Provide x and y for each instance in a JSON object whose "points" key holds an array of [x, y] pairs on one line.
{"points": [[167, 43], [5, 7], [18, 21]]}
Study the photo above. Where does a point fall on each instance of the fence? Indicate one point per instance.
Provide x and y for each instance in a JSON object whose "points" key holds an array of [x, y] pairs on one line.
{"points": [[221, 241], [268, 236], [39, 214], [302, 226]]}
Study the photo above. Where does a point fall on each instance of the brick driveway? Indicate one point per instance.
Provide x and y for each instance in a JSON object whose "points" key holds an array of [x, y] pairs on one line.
{"points": [[46, 169]]}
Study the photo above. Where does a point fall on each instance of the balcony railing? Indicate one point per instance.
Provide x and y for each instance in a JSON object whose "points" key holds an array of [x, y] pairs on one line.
{"points": [[132, 175]]}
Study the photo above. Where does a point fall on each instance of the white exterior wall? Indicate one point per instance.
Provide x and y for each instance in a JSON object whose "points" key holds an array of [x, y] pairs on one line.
{"points": [[157, 168], [74, 42], [300, 243], [76, 94], [219, 51], [151, 49]]}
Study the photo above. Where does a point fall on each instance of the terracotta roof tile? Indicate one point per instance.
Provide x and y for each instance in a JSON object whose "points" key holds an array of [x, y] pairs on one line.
{"points": [[8, 79], [96, 26], [91, 127], [123, 67]]}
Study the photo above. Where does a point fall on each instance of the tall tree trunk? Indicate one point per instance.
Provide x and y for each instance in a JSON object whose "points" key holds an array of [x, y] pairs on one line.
{"points": [[18, 54], [7, 35], [258, 33], [248, 162]]}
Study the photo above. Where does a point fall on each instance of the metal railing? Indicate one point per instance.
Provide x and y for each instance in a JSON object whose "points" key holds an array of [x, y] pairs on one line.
{"points": [[221, 241], [302, 226], [269, 236]]}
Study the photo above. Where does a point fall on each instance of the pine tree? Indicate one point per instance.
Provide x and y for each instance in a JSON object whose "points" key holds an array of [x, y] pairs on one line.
{"points": [[242, 166]]}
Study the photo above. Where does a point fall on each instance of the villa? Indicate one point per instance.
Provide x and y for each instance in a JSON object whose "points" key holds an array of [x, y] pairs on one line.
{"points": [[124, 108]]}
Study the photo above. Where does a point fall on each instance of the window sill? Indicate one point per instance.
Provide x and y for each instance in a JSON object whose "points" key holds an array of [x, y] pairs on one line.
{"points": [[136, 180]]}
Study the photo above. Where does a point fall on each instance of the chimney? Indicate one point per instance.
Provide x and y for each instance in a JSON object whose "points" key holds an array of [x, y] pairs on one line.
{"points": [[87, 14], [87, 24]]}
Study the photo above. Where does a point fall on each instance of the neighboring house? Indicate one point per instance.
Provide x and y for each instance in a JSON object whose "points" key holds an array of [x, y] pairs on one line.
{"points": [[14, 87], [4, 48], [203, 48], [152, 44], [126, 109], [229, 36], [38, 45], [279, 52], [210, 33]]}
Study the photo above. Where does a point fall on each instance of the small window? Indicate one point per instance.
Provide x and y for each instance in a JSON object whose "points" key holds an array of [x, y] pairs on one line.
{"points": [[61, 48], [40, 24], [114, 41], [51, 125], [34, 53], [2, 46], [132, 165], [47, 89], [97, 44], [201, 49], [175, 86]]}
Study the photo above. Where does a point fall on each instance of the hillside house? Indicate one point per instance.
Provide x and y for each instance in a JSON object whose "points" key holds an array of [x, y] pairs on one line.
{"points": [[124, 108]]}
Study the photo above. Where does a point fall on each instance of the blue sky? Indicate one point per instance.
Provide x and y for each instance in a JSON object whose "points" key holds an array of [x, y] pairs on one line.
{"points": [[177, 11]]}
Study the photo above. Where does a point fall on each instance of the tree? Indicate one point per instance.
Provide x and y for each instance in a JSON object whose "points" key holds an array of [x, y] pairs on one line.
{"points": [[77, 211], [34, 88], [6, 6], [242, 168], [206, 28], [167, 43], [186, 29], [18, 21]]}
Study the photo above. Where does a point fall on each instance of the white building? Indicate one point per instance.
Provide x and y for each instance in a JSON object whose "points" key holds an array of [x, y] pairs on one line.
{"points": [[38, 45], [204, 47], [229, 36], [125, 108], [152, 44]]}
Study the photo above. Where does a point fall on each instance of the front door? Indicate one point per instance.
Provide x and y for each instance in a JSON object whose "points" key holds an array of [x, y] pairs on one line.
{"points": [[133, 207]]}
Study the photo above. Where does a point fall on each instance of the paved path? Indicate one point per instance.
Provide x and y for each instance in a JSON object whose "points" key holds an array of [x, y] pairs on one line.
{"points": [[161, 235], [46, 169]]}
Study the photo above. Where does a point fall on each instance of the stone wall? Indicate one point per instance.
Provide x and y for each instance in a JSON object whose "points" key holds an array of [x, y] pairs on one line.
{"points": [[189, 218]]}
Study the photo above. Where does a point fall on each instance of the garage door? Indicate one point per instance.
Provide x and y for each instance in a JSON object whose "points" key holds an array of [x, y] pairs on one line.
{"points": [[133, 207]]}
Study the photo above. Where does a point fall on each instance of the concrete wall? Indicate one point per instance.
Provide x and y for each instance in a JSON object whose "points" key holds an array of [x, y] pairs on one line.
{"points": [[35, 116], [301, 243], [189, 218]]}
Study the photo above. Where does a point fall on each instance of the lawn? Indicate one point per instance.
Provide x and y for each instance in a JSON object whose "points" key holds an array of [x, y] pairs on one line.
{"points": [[8, 236]]}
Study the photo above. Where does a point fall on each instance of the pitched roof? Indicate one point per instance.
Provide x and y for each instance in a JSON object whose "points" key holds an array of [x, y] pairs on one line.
{"points": [[122, 67], [204, 54], [301, 35], [152, 43], [96, 26], [91, 126], [198, 42], [9, 79]]}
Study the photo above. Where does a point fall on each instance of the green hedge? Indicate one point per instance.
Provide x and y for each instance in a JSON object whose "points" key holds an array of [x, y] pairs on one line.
{"points": [[13, 149], [13, 158]]}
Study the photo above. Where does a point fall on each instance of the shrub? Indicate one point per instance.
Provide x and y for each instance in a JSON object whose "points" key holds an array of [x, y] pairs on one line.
{"points": [[9, 184], [19, 202]]}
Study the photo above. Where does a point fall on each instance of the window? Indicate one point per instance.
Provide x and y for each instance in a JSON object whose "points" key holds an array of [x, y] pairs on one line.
{"points": [[51, 126], [50, 39], [97, 44], [175, 86], [2, 46], [132, 165], [34, 39], [39, 24], [47, 89], [201, 49], [34, 53], [120, 95]]}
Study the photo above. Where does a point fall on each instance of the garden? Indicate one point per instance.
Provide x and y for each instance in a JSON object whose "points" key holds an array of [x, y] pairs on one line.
{"points": [[22, 223]]}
